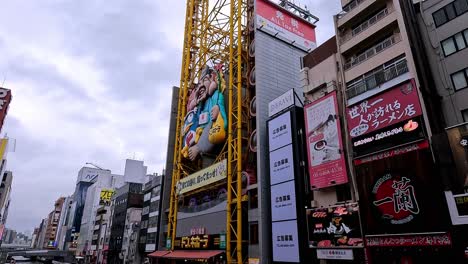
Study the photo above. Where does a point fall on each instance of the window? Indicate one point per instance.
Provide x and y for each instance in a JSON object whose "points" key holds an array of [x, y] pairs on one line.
{"points": [[449, 12], [439, 17], [455, 43], [151, 238], [461, 6], [465, 115], [156, 191], [448, 46], [154, 206], [153, 222], [459, 79], [253, 199], [253, 233]]}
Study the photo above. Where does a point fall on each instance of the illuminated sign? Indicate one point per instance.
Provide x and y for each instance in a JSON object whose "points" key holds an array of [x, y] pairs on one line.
{"points": [[461, 202], [106, 196], [335, 254], [417, 240], [209, 175], [199, 242]]}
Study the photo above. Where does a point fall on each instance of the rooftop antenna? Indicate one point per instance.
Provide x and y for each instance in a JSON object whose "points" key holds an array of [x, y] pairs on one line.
{"points": [[302, 12]]}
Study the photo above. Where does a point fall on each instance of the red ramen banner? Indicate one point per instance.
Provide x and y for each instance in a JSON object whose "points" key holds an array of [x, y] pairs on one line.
{"points": [[398, 104], [324, 143]]}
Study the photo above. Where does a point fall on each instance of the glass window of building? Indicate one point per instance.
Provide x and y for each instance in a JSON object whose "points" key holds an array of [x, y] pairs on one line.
{"points": [[156, 191], [461, 6], [439, 17], [448, 46], [459, 80], [466, 34], [154, 206], [460, 41], [151, 238], [450, 10], [153, 222], [465, 115], [253, 233]]}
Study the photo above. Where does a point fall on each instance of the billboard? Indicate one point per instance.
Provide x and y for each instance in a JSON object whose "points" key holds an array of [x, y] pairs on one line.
{"points": [[336, 226], [206, 176], [327, 165], [386, 109], [283, 201], [205, 124], [106, 196], [5, 99], [281, 165], [285, 241], [279, 22], [279, 131]]}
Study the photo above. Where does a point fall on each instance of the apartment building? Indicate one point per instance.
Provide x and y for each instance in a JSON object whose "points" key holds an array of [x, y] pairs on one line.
{"points": [[50, 240]]}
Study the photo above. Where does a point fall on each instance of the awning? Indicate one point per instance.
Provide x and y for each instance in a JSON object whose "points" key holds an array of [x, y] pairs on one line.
{"points": [[159, 253], [187, 254]]}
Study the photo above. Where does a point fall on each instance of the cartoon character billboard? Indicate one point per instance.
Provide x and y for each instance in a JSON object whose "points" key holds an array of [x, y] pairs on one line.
{"points": [[205, 125]]}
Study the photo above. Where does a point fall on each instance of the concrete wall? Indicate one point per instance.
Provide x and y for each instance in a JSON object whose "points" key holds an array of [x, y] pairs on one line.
{"points": [[277, 66]]}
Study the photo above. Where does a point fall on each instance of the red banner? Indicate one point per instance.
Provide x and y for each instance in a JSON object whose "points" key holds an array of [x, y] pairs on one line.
{"points": [[282, 23], [326, 160], [398, 104], [5, 99], [417, 240]]}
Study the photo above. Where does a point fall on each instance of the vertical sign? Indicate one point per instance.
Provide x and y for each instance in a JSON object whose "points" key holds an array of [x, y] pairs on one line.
{"points": [[327, 165], [285, 239], [5, 99]]}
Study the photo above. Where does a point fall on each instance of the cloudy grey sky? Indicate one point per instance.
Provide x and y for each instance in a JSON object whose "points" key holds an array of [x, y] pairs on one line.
{"points": [[91, 82]]}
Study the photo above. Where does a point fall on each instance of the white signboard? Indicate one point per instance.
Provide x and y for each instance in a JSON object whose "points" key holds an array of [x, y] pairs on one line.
{"points": [[279, 131], [89, 174], [282, 102], [281, 165], [283, 201], [285, 241], [346, 254]]}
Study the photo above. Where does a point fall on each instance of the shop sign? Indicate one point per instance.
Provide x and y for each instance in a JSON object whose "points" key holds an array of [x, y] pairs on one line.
{"points": [[336, 226], [279, 104], [417, 240], [206, 176], [398, 134], [279, 22], [461, 202], [395, 199], [327, 164], [346, 254], [279, 131], [222, 241], [106, 196], [393, 152], [198, 242], [398, 104], [197, 231]]}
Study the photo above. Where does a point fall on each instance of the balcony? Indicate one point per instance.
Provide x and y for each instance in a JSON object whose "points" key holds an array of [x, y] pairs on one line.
{"points": [[371, 52], [365, 25], [376, 77], [351, 10]]}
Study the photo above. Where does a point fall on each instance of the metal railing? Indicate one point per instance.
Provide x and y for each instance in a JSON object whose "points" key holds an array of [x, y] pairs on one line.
{"points": [[369, 53], [365, 25], [377, 77], [349, 7]]}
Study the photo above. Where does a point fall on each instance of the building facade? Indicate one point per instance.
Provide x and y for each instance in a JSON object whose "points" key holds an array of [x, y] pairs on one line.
{"points": [[50, 238]]}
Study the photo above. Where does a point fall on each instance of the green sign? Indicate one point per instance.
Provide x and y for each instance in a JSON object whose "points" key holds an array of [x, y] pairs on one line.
{"points": [[222, 241], [168, 243]]}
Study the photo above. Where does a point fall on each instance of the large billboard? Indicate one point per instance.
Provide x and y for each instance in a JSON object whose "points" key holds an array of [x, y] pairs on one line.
{"points": [[284, 25], [386, 109], [205, 124], [206, 176], [105, 196], [5, 99], [285, 241], [327, 165]]}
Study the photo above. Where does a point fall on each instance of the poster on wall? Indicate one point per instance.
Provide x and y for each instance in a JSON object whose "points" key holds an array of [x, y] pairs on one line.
{"points": [[285, 241], [282, 165], [326, 159], [283, 201], [205, 124], [393, 106], [277, 21], [336, 226], [279, 131]]}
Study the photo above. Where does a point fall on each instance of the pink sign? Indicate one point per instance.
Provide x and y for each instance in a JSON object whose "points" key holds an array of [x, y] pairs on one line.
{"points": [[282, 23], [324, 143], [398, 104], [417, 240]]}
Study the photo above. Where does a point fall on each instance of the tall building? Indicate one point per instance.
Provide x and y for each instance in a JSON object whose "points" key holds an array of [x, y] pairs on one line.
{"points": [[151, 214], [128, 196], [5, 192], [64, 222], [50, 238], [130, 252]]}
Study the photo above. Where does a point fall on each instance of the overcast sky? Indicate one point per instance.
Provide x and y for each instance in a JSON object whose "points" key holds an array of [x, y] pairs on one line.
{"points": [[91, 82]]}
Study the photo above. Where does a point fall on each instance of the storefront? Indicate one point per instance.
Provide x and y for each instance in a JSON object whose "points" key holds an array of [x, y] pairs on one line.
{"points": [[401, 194]]}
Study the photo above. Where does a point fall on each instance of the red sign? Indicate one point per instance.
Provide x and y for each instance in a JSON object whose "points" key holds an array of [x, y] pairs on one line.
{"points": [[283, 24], [394, 152], [327, 165], [396, 105], [5, 99], [418, 240]]}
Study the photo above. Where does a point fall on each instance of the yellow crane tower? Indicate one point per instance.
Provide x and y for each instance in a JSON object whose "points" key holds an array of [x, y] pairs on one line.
{"points": [[216, 32]]}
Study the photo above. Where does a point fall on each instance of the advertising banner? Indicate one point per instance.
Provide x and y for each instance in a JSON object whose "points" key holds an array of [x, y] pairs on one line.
{"points": [[283, 201], [281, 165], [281, 23], [398, 104], [279, 131], [106, 196], [346, 254], [414, 240], [5, 99], [206, 176], [336, 226], [3, 147], [285, 241], [327, 165], [458, 140]]}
